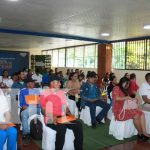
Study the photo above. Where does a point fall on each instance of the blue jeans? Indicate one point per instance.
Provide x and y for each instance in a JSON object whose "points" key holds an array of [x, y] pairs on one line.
{"points": [[11, 136], [25, 114], [105, 108]]}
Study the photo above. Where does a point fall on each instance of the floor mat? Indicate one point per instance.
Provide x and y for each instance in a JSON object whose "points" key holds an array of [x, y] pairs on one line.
{"points": [[96, 139]]}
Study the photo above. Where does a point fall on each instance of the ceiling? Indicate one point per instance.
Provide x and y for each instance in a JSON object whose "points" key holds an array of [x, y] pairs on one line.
{"points": [[78, 18]]}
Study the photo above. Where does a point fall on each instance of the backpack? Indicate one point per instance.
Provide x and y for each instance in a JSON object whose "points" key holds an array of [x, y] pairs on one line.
{"points": [[36, 129]]}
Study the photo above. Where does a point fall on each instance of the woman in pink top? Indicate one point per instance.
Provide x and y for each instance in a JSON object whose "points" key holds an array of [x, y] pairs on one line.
{"points": [[119, 96]]}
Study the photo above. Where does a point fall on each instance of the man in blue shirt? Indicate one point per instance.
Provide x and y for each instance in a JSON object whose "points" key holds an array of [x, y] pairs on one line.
{"points": [[91, 97], [28, 109]]}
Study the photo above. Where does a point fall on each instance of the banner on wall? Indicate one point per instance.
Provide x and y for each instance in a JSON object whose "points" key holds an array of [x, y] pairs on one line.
{"points": [[13, 61]]}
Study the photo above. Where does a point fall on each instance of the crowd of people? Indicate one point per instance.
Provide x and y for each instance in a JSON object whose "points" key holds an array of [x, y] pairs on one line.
{"points": [[46, 92]]}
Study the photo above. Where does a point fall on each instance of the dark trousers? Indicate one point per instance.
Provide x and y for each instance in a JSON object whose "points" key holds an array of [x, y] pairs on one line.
{"points": [[75, 126], [105, 108]]}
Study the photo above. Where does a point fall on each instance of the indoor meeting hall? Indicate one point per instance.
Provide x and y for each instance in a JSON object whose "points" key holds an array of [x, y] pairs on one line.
{"points": [[74, 75]]}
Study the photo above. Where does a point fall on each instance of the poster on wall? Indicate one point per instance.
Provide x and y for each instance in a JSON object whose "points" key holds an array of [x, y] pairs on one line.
{"points": [[40, 62], [13, 61]]}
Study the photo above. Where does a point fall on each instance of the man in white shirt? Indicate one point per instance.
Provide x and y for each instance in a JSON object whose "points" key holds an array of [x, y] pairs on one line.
{"points": [[37, 77], [145, 91], [7, 132]]}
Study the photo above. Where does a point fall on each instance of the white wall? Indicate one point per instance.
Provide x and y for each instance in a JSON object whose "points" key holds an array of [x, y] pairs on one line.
{"points": [[140, 75]]}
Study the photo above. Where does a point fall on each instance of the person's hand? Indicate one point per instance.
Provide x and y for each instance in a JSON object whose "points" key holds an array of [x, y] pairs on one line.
{"points": [[54, 120], [128, 98], [4, 126], [24, 107], [93, 100]]}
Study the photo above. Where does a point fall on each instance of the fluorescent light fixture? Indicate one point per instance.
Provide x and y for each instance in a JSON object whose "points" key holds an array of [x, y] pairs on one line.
{"points": [[147, 27], [105, 34]]}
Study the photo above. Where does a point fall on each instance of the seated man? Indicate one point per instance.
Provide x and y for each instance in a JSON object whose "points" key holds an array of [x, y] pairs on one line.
{"points": [[91, 97], [54, 106], [145, 92], [28, 101], [7, 132]]}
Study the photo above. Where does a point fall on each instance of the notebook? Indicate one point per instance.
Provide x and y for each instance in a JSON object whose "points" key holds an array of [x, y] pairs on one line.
{"points": [[66, 119], [32, 99]]}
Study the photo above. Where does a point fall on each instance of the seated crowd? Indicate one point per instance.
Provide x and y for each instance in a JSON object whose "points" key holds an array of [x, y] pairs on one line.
{"points": [[46, 93]]}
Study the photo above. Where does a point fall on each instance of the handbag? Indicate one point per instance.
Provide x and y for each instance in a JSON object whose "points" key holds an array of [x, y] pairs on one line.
{"points": [[128, 104]]}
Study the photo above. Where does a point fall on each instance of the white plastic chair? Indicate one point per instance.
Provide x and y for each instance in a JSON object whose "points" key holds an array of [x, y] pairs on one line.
{"points": [[86, 117], [73, 107], [122, 129], [49, 138]]}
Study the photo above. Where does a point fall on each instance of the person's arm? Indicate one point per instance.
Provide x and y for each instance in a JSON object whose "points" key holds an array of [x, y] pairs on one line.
{"points": [[82, 93], [22, 100], [7, 116], [146, 99]]}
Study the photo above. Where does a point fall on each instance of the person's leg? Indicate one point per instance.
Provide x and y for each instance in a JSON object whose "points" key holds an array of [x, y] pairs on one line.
{"points": [[76, 126], [60, 135], [137, 124], [11, 138], [92, 107], [105, 108], [24, 119], [143, 124], [25, 114], [3, 136]]}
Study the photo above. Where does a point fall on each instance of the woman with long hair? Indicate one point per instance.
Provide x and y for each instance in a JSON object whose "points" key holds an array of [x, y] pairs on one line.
{"points": [[119, 96]]}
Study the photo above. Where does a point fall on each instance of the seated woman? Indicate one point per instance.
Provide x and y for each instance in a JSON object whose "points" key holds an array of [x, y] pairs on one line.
{"points": [[74, 85], [7, 132], [119, 96]]}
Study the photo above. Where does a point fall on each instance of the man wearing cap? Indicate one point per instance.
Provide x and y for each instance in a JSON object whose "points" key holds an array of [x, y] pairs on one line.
{"points": [[29, 106], [91, 97], [53, 106]]}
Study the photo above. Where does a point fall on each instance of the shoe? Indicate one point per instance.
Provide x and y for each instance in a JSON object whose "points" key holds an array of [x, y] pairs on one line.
{"points": [[144, 137], [99, 122], [140, 137], [93, 125], [26, 139]]}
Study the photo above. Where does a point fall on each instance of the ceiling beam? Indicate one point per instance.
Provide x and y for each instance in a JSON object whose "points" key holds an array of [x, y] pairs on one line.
{"points": [[51, 35]]}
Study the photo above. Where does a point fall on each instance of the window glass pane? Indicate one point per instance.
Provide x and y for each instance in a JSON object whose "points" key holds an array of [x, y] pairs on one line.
{"points": [[118, 60], [148, 55], [44, 52], [61, 58], [90, 51], [89, 62], [135, 55], [50, 52], [79, 51], [70, 57], [55, 58]]}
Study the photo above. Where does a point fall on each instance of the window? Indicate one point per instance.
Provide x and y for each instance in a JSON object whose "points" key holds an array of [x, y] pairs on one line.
{"points": [[89, 56], [55, 58], [70, 57], [78, 56], [79, 52], [50, 52], [118, 60], [44, 52], [61, 58], [148, 55], [135, 55]]}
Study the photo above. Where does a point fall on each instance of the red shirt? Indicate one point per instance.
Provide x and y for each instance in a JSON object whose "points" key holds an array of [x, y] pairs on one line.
{"points": [[54, 102], [133, 87]]}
